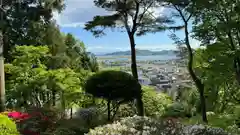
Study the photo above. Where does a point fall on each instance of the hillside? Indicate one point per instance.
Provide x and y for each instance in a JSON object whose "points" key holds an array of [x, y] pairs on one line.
{"points": [[143, 52]]}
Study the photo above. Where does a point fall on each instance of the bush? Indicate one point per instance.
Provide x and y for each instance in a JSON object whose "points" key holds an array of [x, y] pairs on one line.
{"points": [[68, 127], [224, 121], [154, 102], [175, 110], [125, 110], [7, 126], [91, 117], [113, 85], [143, 125], [82, 121], [34, 121], [134, 125], [203, 130]]}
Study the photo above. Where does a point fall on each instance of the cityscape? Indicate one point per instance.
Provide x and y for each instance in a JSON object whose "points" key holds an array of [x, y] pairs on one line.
{"points": [[165, 75]]}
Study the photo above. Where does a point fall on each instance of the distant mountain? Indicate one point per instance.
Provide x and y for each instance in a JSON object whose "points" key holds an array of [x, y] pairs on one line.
{"points": [[143, 53]]}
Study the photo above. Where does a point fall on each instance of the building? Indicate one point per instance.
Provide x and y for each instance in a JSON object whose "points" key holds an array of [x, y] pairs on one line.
{"points": [[144, 81]]}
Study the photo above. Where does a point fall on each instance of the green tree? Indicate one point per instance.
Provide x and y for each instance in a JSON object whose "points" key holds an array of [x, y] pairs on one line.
{"points": [[214, 65], [184, 11], [31, 83], [132, 15], [78, 57], [217, 21], [26, 21], [114, 86]]}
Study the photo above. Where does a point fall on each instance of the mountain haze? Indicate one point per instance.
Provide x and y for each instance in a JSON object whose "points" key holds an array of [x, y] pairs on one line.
{"points": [[143, 53]]}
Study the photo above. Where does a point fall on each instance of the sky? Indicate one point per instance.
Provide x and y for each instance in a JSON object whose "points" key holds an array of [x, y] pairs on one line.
{"points": [[78, 12]]}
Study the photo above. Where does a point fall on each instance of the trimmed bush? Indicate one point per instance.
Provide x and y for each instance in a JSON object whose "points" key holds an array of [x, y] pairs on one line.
{"points": [[113, 85], [117, 86]]}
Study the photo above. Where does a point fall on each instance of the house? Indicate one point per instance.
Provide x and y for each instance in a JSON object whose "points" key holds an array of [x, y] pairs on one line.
{"points": [[144, 81]]}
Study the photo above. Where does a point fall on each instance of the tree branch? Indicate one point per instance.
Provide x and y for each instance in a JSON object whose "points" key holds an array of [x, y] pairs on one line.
{"points": [[134, 28]]}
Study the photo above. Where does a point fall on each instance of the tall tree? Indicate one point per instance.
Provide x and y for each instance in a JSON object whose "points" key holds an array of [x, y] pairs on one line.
{"points": [[184, 10], [2, 79], [218, 21], [20, 15], [26, 22], [214, 66], [135, 16]]}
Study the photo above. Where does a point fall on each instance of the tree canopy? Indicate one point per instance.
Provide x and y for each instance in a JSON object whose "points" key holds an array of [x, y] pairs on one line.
{"points": [[113, 85]]}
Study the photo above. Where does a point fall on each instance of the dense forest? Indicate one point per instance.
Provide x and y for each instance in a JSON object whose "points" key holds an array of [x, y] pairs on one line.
{"points": [[48, 73]]}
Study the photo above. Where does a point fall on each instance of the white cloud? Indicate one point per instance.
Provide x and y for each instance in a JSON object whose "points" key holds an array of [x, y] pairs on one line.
{"points": [[78, 12]]}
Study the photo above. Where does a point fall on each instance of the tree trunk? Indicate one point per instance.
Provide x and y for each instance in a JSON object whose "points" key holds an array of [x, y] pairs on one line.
{"points": [[135, 74], [53, 97], [109, 110], [2, 79], [71, 113], [63, 104], [197, 81], [236, 60]]}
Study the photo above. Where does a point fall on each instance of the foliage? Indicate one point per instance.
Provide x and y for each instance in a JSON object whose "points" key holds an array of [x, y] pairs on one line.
{"points": [[175, 110], [154, 102], [125, 110], [131, 126], [26, 22], [28, 78], [188, 98], [225, 121], [49, 69], [113, 85], [7, 126], [91, 117], [183, 10], [228, 121], [214, 65], [77, 55], [142, 18], [34, 121]]}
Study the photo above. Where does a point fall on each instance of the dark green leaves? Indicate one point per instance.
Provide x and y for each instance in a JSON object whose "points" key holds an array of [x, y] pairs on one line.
{"points": [[113, 85], [102, 22]]}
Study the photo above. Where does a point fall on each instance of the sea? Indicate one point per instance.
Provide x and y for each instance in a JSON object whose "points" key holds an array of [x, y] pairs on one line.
{"points": [[139, 58]]}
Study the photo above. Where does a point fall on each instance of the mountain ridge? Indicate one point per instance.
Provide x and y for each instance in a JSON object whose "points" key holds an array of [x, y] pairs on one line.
{"points": [[140, 52]]}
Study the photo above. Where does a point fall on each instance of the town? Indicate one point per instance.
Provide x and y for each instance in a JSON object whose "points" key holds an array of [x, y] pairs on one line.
{"points": [[165, 75]]}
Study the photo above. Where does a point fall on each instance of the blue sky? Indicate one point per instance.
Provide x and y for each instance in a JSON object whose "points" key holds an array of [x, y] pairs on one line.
{"points": [[78, 12]]}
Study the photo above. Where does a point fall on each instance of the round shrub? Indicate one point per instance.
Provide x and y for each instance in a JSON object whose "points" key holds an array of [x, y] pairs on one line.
{"points": [[113, 85]]}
